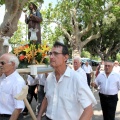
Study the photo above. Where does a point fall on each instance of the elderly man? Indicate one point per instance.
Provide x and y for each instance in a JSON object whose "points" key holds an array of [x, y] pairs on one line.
{"points": [[10, 85], [64, 90], [88, 70], [77, 67], [109, 85]]}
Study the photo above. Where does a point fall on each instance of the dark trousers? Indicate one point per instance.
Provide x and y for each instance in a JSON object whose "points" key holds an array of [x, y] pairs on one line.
{"points": [[108, 105], [45, 118], [41, 96], [88, 79], [8, 117], [30, 95]]}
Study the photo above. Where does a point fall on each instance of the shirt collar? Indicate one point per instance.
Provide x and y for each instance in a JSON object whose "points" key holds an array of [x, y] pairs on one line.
{"points": [[109, 74], [11, 74], [66, 73]]}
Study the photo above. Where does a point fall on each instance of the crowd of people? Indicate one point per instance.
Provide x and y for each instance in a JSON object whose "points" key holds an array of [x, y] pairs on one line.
{"points": [[65, 93]]}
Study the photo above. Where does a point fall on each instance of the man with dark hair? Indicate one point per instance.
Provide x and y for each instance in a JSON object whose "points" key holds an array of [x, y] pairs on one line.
{"points": [[64, 90], [109, 84], [33, 20]]}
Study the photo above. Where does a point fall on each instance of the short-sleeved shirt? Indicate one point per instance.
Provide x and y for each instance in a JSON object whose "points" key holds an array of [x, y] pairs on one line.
{"points": [[82, 73], [32, 81], [10, 86], [41, 79], [66, 96], [108, 85], [87, 69]]}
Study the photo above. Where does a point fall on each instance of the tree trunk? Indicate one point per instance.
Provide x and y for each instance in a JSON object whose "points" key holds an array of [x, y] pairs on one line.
{"points": [[11, 18], [76, 52]]}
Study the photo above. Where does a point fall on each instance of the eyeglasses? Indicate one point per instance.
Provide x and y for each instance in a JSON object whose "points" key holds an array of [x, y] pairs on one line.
{"points": [[3, 63], [54, 53], [107, 65]]}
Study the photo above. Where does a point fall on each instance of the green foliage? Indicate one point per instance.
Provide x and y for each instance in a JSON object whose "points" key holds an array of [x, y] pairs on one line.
{"points": [[2, 2], [118, 57], [85, 54], [18, 37]]}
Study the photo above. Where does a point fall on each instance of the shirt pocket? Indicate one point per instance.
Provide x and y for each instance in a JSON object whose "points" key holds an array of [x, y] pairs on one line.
{"points": [[5, 97], [67, 101]]}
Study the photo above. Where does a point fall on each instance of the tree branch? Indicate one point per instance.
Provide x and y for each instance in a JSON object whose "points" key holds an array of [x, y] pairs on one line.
{"points": [[64, 31], [77, 6], [86, 30], [115, 49], [92, 37]]}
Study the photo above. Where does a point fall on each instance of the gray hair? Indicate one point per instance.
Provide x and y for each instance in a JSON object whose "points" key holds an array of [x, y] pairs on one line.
{"points": [[13, 58], [77, 58]]}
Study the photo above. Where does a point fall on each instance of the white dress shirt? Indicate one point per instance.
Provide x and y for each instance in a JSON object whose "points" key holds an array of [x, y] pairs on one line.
{"points": [[82, 73], [10, 86], [32, 81], [41, 79], [66, 96], [108, 85], [87, 69], [1, 77]]}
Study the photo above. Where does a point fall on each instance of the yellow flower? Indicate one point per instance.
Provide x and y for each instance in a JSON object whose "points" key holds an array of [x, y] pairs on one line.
{"points": [[32, 52]]}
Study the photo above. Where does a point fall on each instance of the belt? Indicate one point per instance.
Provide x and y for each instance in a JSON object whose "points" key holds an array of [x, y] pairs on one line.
{"points": [[48, 118], [107, 96], [4, 115]]}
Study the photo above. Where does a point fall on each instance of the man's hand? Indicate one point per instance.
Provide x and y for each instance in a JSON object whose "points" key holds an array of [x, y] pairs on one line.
{"points": [[94, 85], [39, 118], [36, 90]]}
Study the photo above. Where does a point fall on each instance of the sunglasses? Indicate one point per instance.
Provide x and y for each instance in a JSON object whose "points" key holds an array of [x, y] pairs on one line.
{"points": [[2, 63]]}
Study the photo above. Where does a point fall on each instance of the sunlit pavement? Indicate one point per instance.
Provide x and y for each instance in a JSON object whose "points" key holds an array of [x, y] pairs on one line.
{"points": [[97, 109]]}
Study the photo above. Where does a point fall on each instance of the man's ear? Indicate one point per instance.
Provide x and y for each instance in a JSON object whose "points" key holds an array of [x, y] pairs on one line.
{"points": [[66, 57]]}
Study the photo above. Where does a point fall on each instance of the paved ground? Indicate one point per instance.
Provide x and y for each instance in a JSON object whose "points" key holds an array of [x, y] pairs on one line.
{"points": [[97, 110]]}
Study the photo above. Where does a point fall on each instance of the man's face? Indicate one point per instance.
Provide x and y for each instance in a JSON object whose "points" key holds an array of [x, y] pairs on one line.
{"points": [[76, 64], [5, 65], [108, 67], [31, 7], [57, 59], [116, 64], [86, 63]]}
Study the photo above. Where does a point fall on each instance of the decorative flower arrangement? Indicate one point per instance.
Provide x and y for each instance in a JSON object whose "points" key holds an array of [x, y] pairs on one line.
{"points": [[32, 54]]}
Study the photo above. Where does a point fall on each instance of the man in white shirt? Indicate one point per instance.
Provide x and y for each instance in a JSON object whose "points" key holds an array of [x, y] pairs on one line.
{"points": [[88, 70], [64, 90], [77, 67], [109, 85], [32, 83], [40, 90], [10, 85]]}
